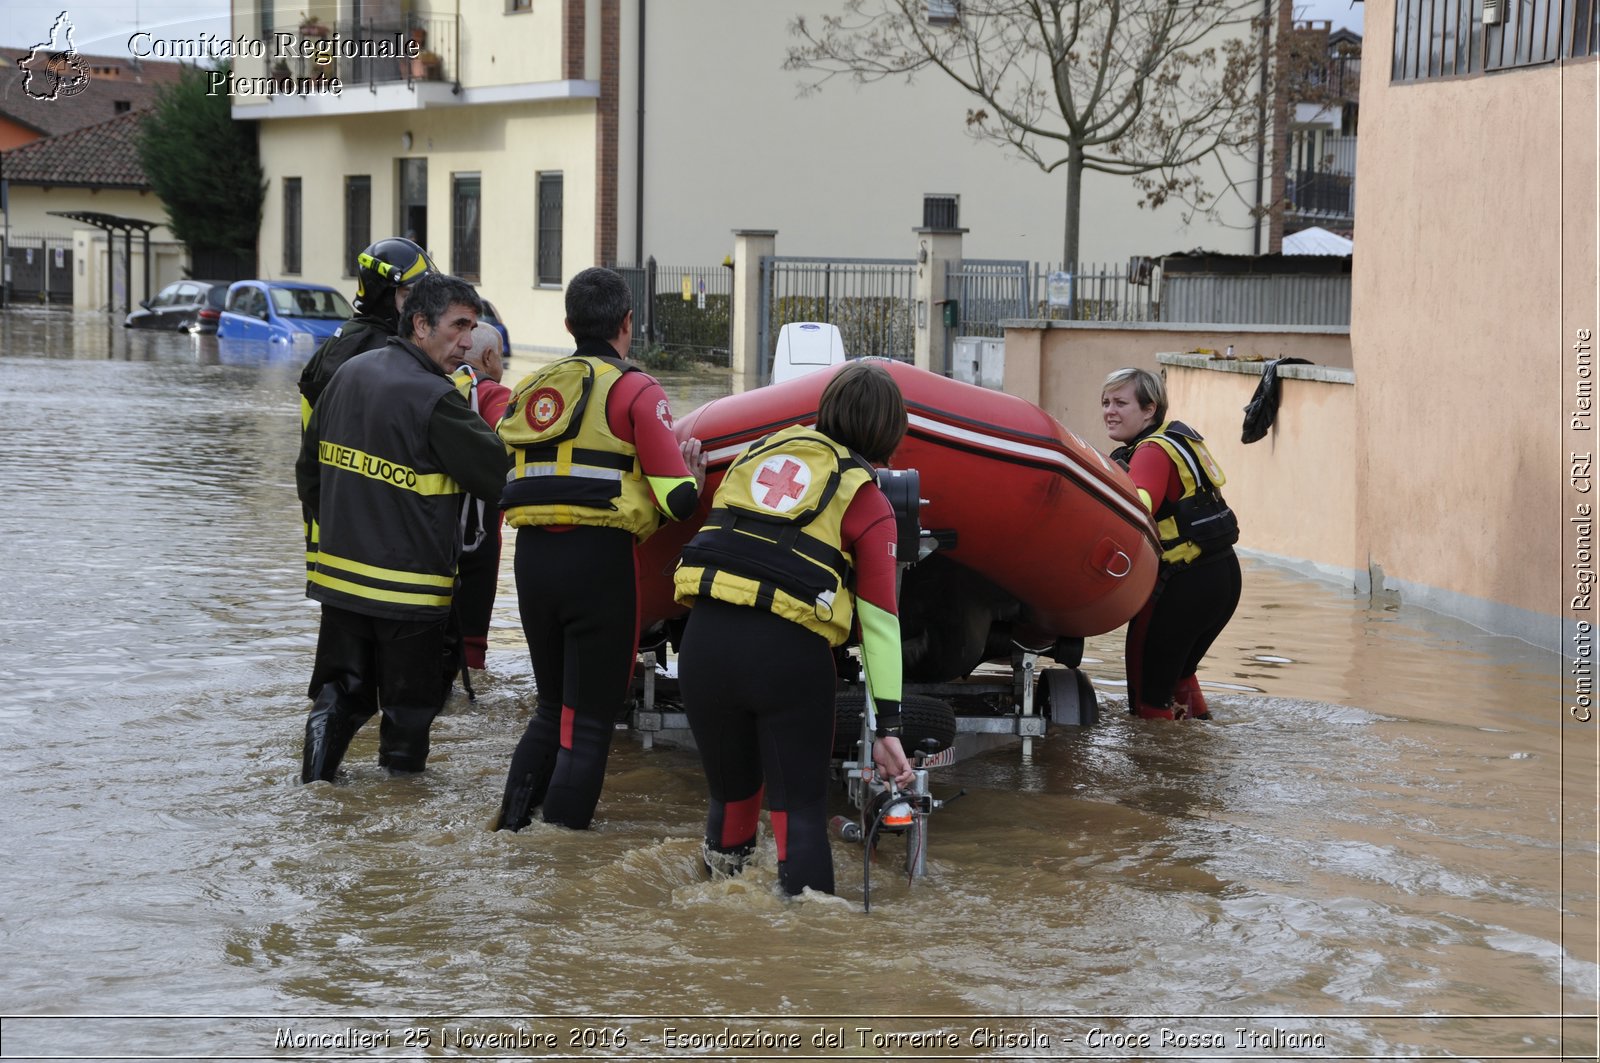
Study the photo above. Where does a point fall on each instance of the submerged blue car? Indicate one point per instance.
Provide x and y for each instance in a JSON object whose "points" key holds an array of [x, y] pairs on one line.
{"points": [[281, 312]]}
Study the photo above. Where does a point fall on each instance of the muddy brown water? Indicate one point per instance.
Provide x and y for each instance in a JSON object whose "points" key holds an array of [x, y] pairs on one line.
{"points": [[1384, 845]]}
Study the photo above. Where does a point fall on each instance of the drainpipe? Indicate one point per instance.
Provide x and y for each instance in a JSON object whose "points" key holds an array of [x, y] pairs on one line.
{"points": [[1261, 127], [638, 154]]}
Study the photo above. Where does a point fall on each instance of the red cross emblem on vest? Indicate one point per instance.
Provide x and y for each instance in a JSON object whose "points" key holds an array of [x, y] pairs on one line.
{"points": [[785, 479]]}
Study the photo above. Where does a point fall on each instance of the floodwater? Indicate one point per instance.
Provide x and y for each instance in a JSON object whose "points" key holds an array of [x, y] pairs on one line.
{"points": [[1383, 846]]}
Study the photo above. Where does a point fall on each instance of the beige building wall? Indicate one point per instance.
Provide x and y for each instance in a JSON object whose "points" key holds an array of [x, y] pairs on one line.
{"points": [[730, 145], [30, 209], [1478, 195], [506, 146], [1295, 489], [1060, 365]]}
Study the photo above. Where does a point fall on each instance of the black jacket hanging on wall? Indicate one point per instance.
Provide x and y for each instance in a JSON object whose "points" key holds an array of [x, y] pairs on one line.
{"points": [[1263, 406]]}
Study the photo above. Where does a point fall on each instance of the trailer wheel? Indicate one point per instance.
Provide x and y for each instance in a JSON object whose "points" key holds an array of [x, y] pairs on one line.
{"points": [[927, 720], [1070, 697]]}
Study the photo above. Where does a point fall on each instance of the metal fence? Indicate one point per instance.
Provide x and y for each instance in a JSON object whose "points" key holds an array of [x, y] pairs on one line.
{"points": [[681, 310], [1251, 299], [37, 268], [987, 291], [870, 300]]}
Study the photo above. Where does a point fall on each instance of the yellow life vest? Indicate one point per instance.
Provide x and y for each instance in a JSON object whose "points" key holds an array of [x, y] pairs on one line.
{"points": [[773, 539], [568, 467], [1199, 522]]}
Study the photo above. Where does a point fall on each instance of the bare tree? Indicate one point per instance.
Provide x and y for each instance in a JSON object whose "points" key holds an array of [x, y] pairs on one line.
{"points": [[1145, 89]]}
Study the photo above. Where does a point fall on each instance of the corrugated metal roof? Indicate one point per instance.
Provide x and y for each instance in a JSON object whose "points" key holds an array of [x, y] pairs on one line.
{"points": [[1316, 241]]}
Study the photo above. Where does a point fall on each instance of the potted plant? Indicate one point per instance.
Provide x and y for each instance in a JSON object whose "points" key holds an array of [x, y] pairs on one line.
{"points": [[426, 66], [312, 26], [281, 75]]}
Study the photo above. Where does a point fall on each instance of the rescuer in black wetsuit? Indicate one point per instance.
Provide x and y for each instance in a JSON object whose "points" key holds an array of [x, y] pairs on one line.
{"points": [[797, 553], [595, 468]]}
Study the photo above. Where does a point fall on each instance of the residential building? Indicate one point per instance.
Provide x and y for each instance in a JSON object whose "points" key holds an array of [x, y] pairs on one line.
{"points": [[113, 85], [543, 136], [82, 225], [1323, 83], [1474, 309], [66, 145]]}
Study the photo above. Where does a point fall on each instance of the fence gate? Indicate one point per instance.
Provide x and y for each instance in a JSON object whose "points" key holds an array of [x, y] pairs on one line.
{"points": [[986, 291], [871, 300], [38, 268], [681, 309]]}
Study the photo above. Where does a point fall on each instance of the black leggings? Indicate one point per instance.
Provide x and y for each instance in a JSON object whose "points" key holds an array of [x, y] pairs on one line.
{"points": [[758, 690], [480, 579], [577, 591], [1173, 631]]}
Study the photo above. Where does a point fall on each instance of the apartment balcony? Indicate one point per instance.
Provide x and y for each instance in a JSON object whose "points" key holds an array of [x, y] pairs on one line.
{"points": [[406, 63]]}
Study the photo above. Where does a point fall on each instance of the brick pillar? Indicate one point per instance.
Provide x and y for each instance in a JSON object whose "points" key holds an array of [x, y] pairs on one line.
{"points": [[573, 30], [605, 148]]}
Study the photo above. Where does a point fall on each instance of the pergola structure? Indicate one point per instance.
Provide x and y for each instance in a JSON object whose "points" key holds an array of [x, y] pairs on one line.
{"points": [[111, 224]]}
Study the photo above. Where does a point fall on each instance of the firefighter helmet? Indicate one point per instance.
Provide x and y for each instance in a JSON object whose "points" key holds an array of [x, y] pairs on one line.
{"points": [[390, 264]]}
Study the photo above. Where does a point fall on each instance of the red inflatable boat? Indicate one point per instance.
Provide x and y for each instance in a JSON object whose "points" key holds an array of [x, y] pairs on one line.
{"points": [[1039, 539]]}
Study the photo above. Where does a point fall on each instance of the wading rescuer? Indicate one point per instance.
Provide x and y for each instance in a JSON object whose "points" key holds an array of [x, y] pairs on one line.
{"points": [[799, 549], [385, 273], [385, 459], [595, 468], [1199, 583], [478, 379]]}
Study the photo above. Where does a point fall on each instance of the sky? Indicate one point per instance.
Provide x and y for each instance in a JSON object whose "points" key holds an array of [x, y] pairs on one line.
{"points": [[103, 27]]}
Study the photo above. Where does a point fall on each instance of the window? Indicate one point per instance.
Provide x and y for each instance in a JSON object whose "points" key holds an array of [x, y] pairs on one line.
{"points": [[121, 106], [513, 6], [465, 202], [291, 225], [943, 12], [1446, 38], [414, 200], [357, 219], [548, 251]]}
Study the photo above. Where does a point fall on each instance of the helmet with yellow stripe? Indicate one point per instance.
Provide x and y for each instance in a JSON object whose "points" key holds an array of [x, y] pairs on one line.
{"points": [[387, 265]]}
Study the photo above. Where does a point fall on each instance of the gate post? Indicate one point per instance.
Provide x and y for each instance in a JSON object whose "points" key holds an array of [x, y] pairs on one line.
{"points": [[936, 248], [746, 357]]}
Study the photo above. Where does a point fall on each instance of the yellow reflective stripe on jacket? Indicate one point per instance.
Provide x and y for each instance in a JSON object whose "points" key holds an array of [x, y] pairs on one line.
{"points": [[393, 575], [420, 581], [377, 594], [389, 472]]}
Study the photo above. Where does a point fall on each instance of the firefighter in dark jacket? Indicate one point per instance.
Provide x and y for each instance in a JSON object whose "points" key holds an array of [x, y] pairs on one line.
{"points": [[385, 272], [385, 459]]}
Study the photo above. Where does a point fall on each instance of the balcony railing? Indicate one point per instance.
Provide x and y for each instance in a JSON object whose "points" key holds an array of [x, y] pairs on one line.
{"points": [[435, 40]]}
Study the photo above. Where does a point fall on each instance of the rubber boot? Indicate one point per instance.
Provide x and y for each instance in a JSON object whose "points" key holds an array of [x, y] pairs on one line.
{"points": [[1188, 696], [330, 726], [1150, 712], [403, 737], [531, 766]]}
